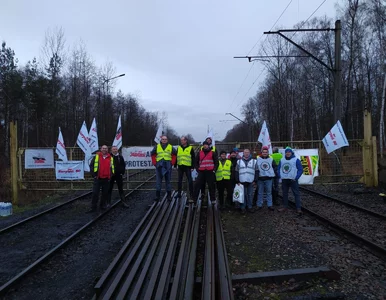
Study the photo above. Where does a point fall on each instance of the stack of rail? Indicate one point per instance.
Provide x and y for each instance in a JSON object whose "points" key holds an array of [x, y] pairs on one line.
{"points": [[217, 278], [158, 260]]}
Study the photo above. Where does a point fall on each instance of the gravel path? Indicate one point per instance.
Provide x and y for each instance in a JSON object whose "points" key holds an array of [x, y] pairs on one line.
{"points": [[72, 273]]}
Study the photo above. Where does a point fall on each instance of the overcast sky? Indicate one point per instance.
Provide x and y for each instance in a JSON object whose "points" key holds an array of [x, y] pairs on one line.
{"points": [[177, 55]]}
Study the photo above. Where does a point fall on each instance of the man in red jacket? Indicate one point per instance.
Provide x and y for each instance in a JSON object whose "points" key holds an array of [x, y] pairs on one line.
{"points": [[101, 169]]}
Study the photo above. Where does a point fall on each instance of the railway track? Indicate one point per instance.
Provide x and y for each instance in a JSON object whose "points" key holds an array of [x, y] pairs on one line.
{"points": [[363, 227], [53, 249], [159, 260]]}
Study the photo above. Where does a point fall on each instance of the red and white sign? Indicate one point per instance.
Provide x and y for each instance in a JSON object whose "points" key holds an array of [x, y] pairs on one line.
{"points": [[70, 170], [137, 157], [335, 139], [39, 159]]}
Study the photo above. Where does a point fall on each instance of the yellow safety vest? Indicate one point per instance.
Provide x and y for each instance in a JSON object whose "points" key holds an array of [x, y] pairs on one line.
{"points": [[184, 157], [224, 171], [276, 157], [96, 164], [213, 148], [164, 154]]}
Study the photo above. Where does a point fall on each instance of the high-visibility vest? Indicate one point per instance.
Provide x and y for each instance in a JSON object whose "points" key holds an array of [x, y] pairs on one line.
{"points": [[246, 171], [184, 157], [288, 169], [206, 161], [213, 148], [224, 171], [96, 164], [276, 157], [164, 154]]}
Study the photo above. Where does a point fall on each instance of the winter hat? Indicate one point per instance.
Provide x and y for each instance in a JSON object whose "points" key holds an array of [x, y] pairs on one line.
{"points": [[233, 151], [264, 148], [289, 149], [223, 152], [205, 143], [236, 149]]}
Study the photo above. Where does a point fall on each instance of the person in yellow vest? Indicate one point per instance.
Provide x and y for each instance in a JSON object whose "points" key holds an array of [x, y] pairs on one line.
{"points": [[185, 163], [163, 157], [223, 180], [101, 169], [276, 156]]}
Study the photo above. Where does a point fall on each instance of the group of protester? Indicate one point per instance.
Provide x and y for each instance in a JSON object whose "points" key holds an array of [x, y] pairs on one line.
{"points": [[259, 174]]}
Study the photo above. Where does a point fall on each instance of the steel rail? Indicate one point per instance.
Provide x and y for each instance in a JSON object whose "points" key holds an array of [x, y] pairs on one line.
{"points": [[348, 204], [208, 287], [6, 286], [22, 222], [355, 238]]}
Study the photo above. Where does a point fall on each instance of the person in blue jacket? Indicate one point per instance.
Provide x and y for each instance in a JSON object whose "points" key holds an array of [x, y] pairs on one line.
{"points": [[290, 170]]}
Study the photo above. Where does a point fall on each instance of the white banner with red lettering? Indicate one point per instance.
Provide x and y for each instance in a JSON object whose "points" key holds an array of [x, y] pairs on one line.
{"points": [[39, 159], [137, 157], [335, 139], [70, 170]]}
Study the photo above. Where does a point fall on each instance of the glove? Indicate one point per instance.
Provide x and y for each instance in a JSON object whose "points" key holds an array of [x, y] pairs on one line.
{"points": [[153, 160]]}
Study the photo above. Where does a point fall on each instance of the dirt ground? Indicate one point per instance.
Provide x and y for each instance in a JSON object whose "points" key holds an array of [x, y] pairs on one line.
{"points": [[272, 241]]}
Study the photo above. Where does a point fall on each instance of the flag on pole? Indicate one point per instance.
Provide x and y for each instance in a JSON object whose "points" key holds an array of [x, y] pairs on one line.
{"points": [[118, 135], [93, 137], [264, 137], [159, 133], [83, 141], [61, 148], [335, 139]]}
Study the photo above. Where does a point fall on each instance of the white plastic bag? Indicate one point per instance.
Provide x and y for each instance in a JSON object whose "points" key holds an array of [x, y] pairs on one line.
{"points": [[238, 193], [194, 174]]}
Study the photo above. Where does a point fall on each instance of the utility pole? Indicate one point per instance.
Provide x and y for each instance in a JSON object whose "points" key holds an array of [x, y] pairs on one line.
{"points": [[338, 72]]}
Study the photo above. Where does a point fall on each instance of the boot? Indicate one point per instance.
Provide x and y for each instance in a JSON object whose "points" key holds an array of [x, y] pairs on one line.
{"points": [[157, 196], [169, 196]]}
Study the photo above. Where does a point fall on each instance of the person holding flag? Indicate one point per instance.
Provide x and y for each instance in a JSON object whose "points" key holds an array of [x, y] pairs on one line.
{"points": [[163, 157]]}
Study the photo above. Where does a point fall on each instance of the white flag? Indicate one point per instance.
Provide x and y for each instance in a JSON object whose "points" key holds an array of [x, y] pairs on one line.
{"points": [[335, 139], [61, 148], [210, 135], [83, 141], [93, 137], [264, 137], [159, 133], [118, 135]]}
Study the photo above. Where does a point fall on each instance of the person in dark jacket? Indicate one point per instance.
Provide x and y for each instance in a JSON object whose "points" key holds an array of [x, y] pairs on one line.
{"points": [[267, 173], [206, 166], [119, 166], [101, 169], [163, 157], [185, 163], [213, 148], [290, 169], [223, 182]]}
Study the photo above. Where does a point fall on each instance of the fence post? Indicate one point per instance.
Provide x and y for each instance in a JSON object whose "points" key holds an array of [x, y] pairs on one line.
{"points": [[367, 151], [375, 160], [13, 156]]}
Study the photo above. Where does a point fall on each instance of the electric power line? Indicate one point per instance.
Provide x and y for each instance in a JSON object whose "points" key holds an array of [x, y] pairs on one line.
{"points": [[238, 92]]}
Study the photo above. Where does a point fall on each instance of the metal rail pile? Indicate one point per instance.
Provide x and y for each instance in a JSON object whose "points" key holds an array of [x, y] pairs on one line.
{"points": [[149, 266], [217, 278]]}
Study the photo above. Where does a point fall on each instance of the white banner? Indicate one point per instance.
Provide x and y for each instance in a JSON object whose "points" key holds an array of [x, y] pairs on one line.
{"points": [[60, 147], [137, 157], [335, 139], [93, 137], [264, 137], [70, 170], [39, 159], [309, 159], [158, 135], [83, 141], [118, 135]]}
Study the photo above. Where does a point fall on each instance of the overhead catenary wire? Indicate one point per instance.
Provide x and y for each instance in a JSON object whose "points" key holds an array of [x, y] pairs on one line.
{"points": [[242, 84], [301, 25]]}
